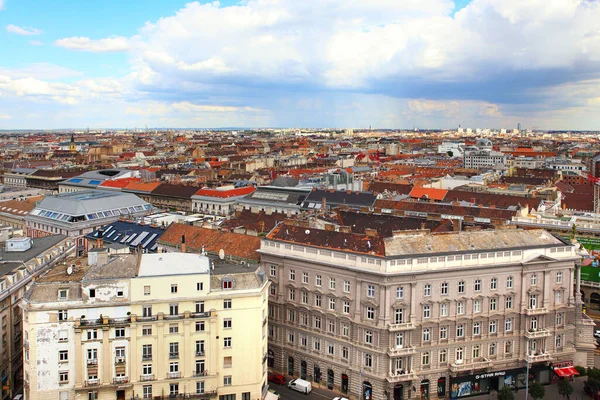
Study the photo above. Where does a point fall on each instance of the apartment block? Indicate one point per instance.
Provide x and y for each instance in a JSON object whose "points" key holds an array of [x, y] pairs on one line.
{"points": [[147, 326], [423, 315]]}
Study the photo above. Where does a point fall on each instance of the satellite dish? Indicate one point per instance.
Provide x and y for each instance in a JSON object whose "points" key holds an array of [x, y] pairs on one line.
{"points": [[307, 232], [69, 270], [222, 254]]}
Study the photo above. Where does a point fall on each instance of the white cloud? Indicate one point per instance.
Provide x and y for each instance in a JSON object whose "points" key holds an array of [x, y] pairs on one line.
{"points": [[43, 71], [5, 116], [110, 44], [25, 31], [36, 43]]}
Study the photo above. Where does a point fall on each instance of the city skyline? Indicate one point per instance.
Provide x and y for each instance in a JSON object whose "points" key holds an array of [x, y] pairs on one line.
{"points": [[386, 64]]}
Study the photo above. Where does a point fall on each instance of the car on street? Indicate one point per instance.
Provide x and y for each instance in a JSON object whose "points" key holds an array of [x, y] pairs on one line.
{"points": [[597, 334], [340, 398], [277, 379]]}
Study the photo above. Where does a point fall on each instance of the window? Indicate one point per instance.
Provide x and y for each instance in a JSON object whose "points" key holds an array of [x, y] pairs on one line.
{"points": [[291, 337], [331, 326], [146, 311], [460, 330], [273, 270], [199, 387], [494, 284], [346, 309], [317, 345], [477, 328], [369, 337], [173, 350], [318, 280], [558, 340], [370, 291], [63, 294], [347, 286], [426, 334], [92, 354], [227, 323], [558, 296], [272, 290], [370, 313], [368, 360], [508, 347], [508, 325], [292, 274], [199, 347], [317, 321], [318, 300], [303, 341], [460, 308], [119, 332], [147, 391], [461, 287], [147, 369], [400, 292], [399, 315], [559, 318], [476, 306], [493, 304], [332, 283], [120, 352], [426, 311], [532, 301], [444, 310], [63, 377], [92, 293], [200, 326], [330, 349], [332, 304], [533, 279], [92, 334], [199, 286], [345, 353], [199, 306], [173, 328], [425, 358], [345, 330], [477, 286], [174, 389], [493, 326], [63, 315], [492, 349], [246, 396], [227, 342], [509, 282], [443, 356], [291, 315], [63, 335], [227, 304], [459, 354], [146, 352], [174, 288], [427, 290], [444, 332], [173, 309], [93, 395], [533, 323], [63, 355], [305, 277], [292, 294], [304, 319], [476, 351], [304, 297], [509, 302], [399, 340], [444, 288], [227, 283], [559, 277]]}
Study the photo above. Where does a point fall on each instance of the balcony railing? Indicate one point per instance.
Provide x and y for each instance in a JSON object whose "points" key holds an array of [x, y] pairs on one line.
{"points": [[109, 321], [540, 357], [91, 382], [147, 357], [119, 360], [536, 311], [205, 314], [403, 326], [120, 380], [401, 377], [199, 353], [173, 375], [537, 333], [194, 396], [147, 377], [401, 351], [201, 373], [173, 356], [92, 361], [174, 316], [466, 366]]}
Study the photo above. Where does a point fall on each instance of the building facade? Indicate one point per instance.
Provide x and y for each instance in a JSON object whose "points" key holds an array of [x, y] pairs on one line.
{"points": [[147, 326], [421, 315]]}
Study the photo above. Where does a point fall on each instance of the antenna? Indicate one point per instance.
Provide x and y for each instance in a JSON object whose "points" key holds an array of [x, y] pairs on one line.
{"points": [[222, 254]]}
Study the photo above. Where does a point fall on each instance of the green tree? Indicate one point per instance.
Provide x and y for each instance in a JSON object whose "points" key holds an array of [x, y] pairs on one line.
{"points": [[565, 389], [506, 394], [450, 153], [537, 391]]}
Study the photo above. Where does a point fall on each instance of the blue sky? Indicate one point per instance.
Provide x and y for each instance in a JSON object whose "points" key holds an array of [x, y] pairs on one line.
{"points": [[325, 63]]}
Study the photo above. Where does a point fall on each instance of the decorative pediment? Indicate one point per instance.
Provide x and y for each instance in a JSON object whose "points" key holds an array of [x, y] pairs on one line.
{"points": [[538, 258], [369, 302], [400, 304], [559, 288], [534, 290]]}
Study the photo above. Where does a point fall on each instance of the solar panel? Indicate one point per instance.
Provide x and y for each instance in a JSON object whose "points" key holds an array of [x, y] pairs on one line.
{"points": [[124, 239], [110, 234], [95, 182], [131, 238], [139, 239], [149, 240], [75, 180]]}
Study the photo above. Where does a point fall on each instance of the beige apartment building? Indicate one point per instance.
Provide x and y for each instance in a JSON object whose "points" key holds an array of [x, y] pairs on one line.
{"points": [[423, 315], [147, 326]]}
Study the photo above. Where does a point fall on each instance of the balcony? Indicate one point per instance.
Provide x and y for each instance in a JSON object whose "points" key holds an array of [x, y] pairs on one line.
{"points": [[119, 360], [120, 380], [173, 375], [105, 321], [536, 311], [538, 357], [173, 356], [200, 373], [147, 318], [147, 357], [469, 366], [199, 353], [91, 382], [401, 377], [401, 351], [404, 326], [147, 378], [174, 316], [537, 333], [92, 361], [200, 314]]}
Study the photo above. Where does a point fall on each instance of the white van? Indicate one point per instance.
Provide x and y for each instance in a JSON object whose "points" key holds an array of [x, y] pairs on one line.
{"points": [[300, 385]]}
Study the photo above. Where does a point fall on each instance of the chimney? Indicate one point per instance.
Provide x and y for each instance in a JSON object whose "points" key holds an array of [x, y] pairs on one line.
{"points": [[100, 239], [323, 204], [329, 227], [422, 225], [370, 232], [331, 190], [345, 229], [456, 225], [183, 246]]}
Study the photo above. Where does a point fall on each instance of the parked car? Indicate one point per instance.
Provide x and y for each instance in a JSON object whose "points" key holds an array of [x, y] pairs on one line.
{"points": [[300, 385], [277, 379], [340, 398]]}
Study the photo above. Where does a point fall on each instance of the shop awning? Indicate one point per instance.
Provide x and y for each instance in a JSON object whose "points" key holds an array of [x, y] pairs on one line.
{"points": [[566, 371]]}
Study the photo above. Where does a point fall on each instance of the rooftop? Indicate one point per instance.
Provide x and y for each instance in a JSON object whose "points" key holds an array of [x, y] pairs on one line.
{"points": [[11, 260], [164, 264]]}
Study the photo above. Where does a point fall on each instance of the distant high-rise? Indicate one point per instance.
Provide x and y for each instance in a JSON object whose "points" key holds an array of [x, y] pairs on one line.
{"points": [[519, 127]]}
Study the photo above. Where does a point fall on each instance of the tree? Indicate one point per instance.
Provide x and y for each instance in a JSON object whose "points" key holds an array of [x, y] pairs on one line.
{"points": [[537, 391], [450, 153], [506, 394], [565, 389]]}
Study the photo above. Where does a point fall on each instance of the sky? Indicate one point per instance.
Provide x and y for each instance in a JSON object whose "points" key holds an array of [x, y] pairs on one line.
{"points": [[310, 63]]}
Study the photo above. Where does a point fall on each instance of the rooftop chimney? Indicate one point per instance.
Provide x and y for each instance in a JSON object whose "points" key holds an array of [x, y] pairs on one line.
{"points": [[323, 204], [100, 239], [183, 246], [370, 232]]}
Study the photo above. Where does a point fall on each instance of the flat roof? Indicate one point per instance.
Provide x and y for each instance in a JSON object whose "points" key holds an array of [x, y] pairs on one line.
{"points": [[163, 264]]}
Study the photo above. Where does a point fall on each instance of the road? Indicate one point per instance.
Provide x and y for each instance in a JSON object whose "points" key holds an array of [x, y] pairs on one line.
{"points": [[289, 394]]}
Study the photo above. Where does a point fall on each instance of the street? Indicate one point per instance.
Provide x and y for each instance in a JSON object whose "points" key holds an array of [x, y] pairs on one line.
{"points": [[288, 394]]}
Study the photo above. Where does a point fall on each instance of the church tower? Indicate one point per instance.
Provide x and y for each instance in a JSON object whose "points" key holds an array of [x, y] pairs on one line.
{"points": [[72, 146]]}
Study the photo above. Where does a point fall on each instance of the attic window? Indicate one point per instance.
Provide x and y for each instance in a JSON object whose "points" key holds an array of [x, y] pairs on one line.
{"points": [[63, 294], [92, 293], [227, 283], [120, 293]]}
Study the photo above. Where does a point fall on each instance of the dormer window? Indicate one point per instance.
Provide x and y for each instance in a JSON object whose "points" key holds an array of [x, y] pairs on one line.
{"points": [[63, 294], [227, 283]]}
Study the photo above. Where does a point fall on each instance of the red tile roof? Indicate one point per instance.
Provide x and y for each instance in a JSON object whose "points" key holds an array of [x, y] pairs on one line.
{"points": [[225, 193], [429, 193], [142, 187], [119, 183]]}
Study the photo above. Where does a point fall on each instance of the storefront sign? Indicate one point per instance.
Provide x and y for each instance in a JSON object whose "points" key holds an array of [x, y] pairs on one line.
{"points": [[490, 375]]}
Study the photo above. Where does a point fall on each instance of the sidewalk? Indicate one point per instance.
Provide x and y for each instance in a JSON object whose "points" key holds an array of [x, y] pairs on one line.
{"points": [[551, 392]]}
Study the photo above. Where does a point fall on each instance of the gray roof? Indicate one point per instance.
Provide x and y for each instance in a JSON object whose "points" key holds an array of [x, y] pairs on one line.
{"points": [[12, 260], [89, 201]]}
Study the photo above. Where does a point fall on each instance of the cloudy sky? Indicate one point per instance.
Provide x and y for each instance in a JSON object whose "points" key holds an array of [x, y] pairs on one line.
{"points": [[309, 63]]}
